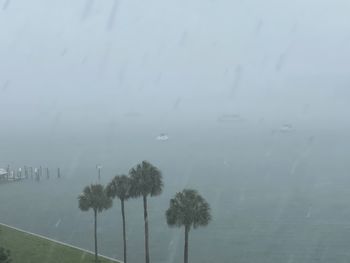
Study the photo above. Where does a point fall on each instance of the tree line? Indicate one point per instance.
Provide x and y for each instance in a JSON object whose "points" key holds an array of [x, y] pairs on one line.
{"points": [[187, 208]]}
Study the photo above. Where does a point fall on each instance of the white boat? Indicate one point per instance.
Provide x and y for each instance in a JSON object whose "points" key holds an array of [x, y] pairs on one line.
{"points": [[286, 128], [162, 137], [2, 172]]}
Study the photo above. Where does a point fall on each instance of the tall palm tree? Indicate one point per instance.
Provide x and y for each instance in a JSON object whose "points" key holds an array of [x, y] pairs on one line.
{"points": [[120, 187], [94, 197], [146, 180], [188, 209]]}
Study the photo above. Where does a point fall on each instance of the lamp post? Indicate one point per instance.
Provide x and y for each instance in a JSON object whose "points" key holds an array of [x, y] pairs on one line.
{"points": [[99, 167]]}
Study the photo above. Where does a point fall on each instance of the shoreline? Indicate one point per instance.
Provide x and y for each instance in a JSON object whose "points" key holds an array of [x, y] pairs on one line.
{"points": [[59, 242]]}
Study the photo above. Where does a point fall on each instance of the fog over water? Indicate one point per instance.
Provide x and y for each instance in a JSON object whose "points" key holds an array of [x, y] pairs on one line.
{"points": [[254, 96]]}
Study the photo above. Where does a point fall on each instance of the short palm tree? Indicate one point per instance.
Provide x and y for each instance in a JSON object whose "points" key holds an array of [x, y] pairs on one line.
{"points": [[188, 209], [94, 197], [120, 187], [146, 180]]}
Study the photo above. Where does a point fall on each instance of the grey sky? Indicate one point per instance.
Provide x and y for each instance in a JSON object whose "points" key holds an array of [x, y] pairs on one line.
{"points": [[85, 60]]}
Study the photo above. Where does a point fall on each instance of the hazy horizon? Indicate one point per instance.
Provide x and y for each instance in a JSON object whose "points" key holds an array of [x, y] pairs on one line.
{"points": [[254, 96], [84, 63]]}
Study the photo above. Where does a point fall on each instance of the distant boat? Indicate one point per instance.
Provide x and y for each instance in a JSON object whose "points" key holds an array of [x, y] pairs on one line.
{"points": [[229, 118], [286, 128], [162, 137], [3, 172]]}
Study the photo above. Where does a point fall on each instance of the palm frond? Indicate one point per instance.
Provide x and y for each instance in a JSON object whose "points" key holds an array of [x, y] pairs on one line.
{"points": [[188, 208], [146, 179], [94, 197]]}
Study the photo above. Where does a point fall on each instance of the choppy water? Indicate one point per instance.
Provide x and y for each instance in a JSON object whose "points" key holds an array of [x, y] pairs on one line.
{"points": [[275, 197]]}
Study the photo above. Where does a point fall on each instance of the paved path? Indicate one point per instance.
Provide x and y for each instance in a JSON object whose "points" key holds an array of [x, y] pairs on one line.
{"points": [[61, 243]]}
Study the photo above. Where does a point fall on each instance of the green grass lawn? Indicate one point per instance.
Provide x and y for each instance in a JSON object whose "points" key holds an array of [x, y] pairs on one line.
{"points": [[26, 248]]}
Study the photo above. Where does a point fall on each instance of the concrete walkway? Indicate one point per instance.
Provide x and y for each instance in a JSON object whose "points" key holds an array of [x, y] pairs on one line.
{"points": [[61, 243]]}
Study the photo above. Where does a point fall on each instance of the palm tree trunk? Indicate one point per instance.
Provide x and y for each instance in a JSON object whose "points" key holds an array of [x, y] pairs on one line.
{"points": [[124, 231], [145, 215], [187, 230], [95, 232]]}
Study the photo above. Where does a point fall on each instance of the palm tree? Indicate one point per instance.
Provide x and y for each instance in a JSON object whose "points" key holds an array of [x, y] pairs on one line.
{"points": [[146, 180], [94, 197], [120, 187], [188, 209]]}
